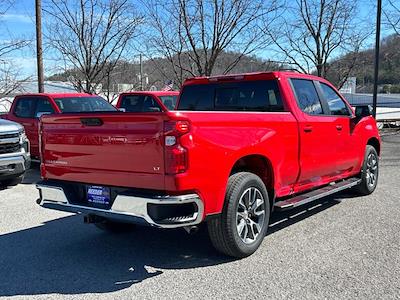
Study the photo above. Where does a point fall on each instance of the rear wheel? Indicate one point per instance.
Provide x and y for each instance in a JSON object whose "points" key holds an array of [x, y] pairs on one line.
{"points": [[114, 227], [369, 172], [241, 227]]}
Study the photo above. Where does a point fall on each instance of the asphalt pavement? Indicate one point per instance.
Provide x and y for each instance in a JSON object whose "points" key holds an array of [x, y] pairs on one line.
{"points": [[341, 247]]}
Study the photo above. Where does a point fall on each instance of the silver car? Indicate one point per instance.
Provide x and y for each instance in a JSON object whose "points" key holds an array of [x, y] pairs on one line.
{"points": [[15, 157]]}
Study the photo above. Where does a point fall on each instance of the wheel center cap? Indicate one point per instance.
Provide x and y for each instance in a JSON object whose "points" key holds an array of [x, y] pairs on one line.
{"points": [[246, 214]]}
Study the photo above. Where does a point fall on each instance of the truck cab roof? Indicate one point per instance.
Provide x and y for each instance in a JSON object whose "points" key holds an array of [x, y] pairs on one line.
{"points": [[249, 76], [155, 93], [58, 95]]}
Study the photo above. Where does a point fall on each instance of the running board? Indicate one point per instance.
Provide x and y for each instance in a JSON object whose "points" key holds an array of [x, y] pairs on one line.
{"points": [[317, 194]]}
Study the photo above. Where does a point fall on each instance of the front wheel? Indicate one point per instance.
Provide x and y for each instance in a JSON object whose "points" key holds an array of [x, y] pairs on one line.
{"points": [[241, 227], [369, 172], [13, 181]]}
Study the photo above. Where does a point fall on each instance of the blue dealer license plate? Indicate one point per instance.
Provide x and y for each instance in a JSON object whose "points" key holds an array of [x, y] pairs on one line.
{"points": [[98, 195]]}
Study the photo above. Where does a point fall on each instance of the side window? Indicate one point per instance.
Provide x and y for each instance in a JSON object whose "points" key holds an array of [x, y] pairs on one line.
{"points": [[25, 107], [307, 96], [43, 107], [335, 103], [132, 103], [169, 101]]}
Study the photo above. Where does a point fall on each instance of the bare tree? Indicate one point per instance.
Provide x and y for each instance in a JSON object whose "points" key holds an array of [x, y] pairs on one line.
{"points": [[312, 32], [392, 15], [91, 36], [10, 79], [192, 34]]}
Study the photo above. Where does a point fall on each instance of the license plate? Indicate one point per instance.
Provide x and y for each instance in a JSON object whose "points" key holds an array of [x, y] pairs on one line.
{"points": [[98, 195]]}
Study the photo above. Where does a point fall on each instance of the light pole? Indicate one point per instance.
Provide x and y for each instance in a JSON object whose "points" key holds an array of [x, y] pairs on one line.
{"points": [[39, 53], [377, 44], [141, 71]]}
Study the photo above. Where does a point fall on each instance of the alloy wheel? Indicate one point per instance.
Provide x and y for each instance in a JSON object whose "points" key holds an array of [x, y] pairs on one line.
{"points": [[250, 215], [372, 169]]}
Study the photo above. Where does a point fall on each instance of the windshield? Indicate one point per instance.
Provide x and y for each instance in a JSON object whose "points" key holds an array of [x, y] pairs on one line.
{"points": [[169, 101], [83, 104]]}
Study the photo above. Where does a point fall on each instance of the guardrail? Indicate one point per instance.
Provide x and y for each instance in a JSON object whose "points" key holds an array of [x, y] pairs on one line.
{"points": [[384, 100]]}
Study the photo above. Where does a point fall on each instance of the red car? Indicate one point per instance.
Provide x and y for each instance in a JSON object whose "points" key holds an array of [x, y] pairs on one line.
{"points": [[27, 109], [147, 101], [235, 149]]}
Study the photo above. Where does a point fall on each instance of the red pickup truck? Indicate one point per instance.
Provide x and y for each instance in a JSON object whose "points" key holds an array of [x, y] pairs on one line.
{"points": [[237, 148], [28, 108], [147, 101]]}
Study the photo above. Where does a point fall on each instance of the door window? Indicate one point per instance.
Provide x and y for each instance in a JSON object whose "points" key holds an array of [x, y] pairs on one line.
{"points": [[43, 107], [25, 107], [169, 101], [307, 96], [335, 103]]}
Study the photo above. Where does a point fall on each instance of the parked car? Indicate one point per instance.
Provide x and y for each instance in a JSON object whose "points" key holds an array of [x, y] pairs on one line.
{"points": [[14, 151], [27, 109], [147, 101], [235, 149]]}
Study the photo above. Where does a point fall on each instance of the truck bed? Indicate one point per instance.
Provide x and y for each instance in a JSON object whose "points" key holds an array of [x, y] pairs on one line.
{"points": [[118, 149]]}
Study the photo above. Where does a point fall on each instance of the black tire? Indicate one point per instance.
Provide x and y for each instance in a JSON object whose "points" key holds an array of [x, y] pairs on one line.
{"points": [[12, 181], [114, 227], [368, 172], [224, 229]]}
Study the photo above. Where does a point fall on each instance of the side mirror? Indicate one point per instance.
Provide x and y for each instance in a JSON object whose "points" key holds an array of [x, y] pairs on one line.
{"points": [[363, 111], [122, 109], [41, 113]]}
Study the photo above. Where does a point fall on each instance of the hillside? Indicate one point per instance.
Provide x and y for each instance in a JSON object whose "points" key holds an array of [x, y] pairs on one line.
{"points": [[389, 67], [157, 71]]}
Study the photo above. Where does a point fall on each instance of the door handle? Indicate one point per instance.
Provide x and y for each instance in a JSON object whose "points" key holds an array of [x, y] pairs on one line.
{"points": [[307, 128], [339, 127]]}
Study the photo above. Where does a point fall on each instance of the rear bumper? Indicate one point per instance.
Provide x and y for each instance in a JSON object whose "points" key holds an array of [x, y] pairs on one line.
{"points": [[129, 208], [14, 164]]}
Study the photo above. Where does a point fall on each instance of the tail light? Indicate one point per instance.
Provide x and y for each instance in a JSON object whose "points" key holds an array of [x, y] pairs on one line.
{"points": [[176, 160]]}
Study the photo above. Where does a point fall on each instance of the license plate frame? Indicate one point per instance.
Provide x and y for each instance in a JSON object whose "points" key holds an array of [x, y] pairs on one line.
{"points": [[97, 195]]}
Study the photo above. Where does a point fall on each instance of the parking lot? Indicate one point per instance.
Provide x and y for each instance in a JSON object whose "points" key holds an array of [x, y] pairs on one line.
{"points": [[339, 247]]}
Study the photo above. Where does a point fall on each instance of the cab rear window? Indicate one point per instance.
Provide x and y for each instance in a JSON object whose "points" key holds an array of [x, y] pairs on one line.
{"points": [[139, 103], [260, 95], [83, 104]]}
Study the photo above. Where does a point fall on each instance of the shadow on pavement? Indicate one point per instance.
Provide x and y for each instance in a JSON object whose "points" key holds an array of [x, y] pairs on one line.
{"points": [[66, 256], [283, 219], [31, 176]]}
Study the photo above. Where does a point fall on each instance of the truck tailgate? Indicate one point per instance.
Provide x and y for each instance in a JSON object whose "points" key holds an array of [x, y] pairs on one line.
{"points": [[117, 149]]}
